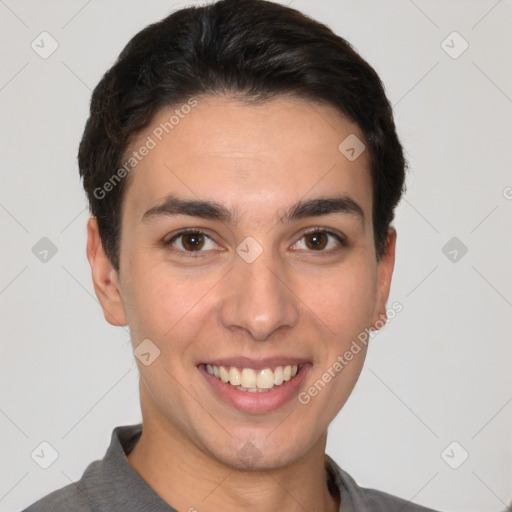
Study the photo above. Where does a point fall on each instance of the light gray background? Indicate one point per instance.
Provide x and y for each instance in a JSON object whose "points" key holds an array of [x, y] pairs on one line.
{"points": [[439, 372]]}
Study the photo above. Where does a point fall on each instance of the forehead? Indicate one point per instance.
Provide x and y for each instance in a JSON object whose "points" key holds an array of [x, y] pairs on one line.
{"points": [[250, 157]]}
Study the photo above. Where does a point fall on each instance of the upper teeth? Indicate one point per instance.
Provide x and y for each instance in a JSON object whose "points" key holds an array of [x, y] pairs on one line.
{"points": [[253, 380]]}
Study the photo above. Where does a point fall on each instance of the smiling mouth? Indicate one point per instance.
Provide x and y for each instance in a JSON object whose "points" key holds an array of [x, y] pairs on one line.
{"points": [[254, 381]]}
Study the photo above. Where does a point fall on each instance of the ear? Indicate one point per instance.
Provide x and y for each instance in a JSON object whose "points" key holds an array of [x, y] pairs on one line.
{"points": [[104, 277], [384, 274]]}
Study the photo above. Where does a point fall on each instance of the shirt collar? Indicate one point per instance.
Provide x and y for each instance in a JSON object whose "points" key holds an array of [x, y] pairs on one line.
{"points": [[112, 482]]}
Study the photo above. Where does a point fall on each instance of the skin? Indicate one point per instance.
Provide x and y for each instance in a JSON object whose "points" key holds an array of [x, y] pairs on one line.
{"points": [[257, 161]]}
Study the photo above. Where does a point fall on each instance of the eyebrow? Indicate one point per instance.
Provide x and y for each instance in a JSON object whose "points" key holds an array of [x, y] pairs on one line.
{"points": [[212, 210]]}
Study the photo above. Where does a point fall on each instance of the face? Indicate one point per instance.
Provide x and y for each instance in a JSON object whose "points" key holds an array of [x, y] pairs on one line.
{"points": [[247, 252]]}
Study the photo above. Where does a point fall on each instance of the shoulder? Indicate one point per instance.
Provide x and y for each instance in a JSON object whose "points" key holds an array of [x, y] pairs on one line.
{"points": [[104, 482], [379, 501], [72, 498], [364, 499]]}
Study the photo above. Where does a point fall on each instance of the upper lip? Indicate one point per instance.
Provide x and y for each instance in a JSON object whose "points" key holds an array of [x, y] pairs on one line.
{"points": [[256, 364]]}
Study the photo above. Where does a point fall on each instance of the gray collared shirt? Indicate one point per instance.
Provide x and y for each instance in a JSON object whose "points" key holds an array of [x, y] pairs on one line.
{"points": [[113, 485]]}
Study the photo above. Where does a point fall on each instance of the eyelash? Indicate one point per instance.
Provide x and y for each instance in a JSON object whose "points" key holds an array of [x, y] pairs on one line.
{"points": [[194, 254], [340, 238]]}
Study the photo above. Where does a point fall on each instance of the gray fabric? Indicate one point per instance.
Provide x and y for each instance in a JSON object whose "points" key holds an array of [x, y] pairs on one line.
{"points": [[112, 485]]}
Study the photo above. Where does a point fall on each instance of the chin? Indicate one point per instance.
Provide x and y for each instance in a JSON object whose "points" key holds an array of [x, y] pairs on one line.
{"points": [[252, 452]]}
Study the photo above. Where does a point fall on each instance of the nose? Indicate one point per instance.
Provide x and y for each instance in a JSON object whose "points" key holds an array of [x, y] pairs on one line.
{"points": [[258, 300]]}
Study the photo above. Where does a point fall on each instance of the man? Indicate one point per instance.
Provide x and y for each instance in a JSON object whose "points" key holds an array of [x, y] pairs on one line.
{"points": [[242, 168]]}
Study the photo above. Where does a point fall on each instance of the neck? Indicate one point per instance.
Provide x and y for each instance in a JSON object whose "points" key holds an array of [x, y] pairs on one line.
{"points": [[189, 479]]}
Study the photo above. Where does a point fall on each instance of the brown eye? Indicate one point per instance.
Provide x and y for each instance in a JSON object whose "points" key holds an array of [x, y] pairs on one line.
{"points": [[192, 241], [316, 240], [321, 241]]}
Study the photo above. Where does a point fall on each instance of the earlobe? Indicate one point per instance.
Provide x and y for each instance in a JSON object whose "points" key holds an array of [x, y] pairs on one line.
{"points": [[384, 275], [104, 277]]}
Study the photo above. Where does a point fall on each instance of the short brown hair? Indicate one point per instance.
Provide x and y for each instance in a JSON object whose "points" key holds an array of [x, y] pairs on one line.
{"points": [[255, 50]]}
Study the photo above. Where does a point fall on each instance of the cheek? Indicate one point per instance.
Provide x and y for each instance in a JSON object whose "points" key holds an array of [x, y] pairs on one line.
{"points": [[164, 306], [343, 300]]}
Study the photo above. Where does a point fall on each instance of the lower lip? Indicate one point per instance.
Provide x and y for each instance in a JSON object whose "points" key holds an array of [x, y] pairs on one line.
{"points": [[257, 403]]}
